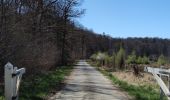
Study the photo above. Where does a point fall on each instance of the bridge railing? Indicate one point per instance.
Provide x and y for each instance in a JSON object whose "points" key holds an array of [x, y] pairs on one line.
{"points": [[158, 73], [12, 78]]}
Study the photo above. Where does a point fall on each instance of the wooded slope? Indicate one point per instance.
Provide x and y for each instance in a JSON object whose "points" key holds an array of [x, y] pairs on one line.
{"points": [[42, 34]]}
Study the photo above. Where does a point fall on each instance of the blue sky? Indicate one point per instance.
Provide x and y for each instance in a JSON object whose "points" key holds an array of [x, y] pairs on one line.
{"points": [[128, 18]]}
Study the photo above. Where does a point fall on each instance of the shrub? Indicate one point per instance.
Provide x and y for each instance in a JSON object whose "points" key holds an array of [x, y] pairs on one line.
{"points": [[108, 60], [142, 60], [93, 57], [101, 56], [131, 58], [120, 58], [145, 60], [113, 61], [162, 60], [139, 60]]}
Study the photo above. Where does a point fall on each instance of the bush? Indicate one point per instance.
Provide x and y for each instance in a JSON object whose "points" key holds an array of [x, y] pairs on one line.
{"points": [[142, 60], [113, 61], [120, 58], [100, 56], [145, 60], [108, 61], [162, 60], [93, 57], [131, 58]]}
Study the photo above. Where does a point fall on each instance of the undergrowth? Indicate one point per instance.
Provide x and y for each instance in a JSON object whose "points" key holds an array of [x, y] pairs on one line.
{"points": [[144, 92], [38, 87]]}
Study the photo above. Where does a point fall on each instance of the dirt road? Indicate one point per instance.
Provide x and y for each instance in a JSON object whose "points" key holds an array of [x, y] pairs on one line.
{"points": [[86, 83]]}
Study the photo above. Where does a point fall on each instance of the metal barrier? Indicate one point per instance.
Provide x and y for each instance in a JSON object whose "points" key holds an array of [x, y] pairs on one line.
{"points": [[158, 73], [13, 77]]}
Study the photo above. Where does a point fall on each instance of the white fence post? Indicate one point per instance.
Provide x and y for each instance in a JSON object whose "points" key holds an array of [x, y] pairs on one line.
{"points": [[8, 81], [157, 73], [169, 82], [161, 91], [13, 77], [15, 81]]}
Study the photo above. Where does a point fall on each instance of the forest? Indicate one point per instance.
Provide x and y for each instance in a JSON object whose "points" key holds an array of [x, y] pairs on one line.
{"points": [[43, 34]]}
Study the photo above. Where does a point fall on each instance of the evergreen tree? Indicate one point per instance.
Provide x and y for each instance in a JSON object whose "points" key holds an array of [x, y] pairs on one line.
{"points": [[161, 60], [132, 58], [113, 60], [120, 58], [142, 60]]}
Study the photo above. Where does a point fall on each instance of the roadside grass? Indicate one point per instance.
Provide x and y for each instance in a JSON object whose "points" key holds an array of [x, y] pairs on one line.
{"points": [[39, 87], [143, 92], [1, 93]]}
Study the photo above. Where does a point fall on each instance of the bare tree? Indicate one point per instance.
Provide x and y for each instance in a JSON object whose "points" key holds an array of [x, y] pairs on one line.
{"points": [[68, 11]]}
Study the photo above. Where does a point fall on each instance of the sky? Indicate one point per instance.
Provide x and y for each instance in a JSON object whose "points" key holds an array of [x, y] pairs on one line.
{"points": [[128, 18]]}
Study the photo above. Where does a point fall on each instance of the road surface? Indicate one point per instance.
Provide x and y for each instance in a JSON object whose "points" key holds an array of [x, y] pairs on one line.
{"points": [[86, 83]]}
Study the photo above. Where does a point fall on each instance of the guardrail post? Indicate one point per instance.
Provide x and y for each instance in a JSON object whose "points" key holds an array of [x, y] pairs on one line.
{"points": [[8, 81], [15, 83], [169, 81], [12, 77], [161, 91], [158, 73]]}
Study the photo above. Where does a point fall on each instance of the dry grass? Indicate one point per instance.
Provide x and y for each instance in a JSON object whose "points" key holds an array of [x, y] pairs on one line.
{"points": [[129, 77], [143, 87]]}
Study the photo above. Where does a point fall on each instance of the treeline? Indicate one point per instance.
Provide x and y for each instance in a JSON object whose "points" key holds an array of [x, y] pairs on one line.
{"points": [[121, 61], [42, 34], [151, 47]]}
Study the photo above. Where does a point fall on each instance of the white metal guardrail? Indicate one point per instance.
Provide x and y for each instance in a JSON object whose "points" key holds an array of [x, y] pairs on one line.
{"points": [[12, 78], [158, 73]]}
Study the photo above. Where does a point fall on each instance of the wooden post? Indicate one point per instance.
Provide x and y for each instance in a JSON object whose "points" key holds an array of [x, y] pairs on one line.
{"points": [[8, 81]]}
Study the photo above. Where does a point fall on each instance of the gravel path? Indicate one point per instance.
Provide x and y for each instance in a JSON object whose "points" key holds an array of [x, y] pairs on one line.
{"points": [[86, 83]]}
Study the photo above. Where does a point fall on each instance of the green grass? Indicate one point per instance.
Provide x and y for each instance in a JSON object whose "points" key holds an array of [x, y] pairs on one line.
{"points": [[41, 85], [144, 92], [38, 87], [1, 93]]}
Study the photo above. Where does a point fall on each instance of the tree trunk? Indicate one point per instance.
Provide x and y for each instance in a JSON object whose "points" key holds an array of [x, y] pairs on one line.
{"points": [[63, 55]]}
